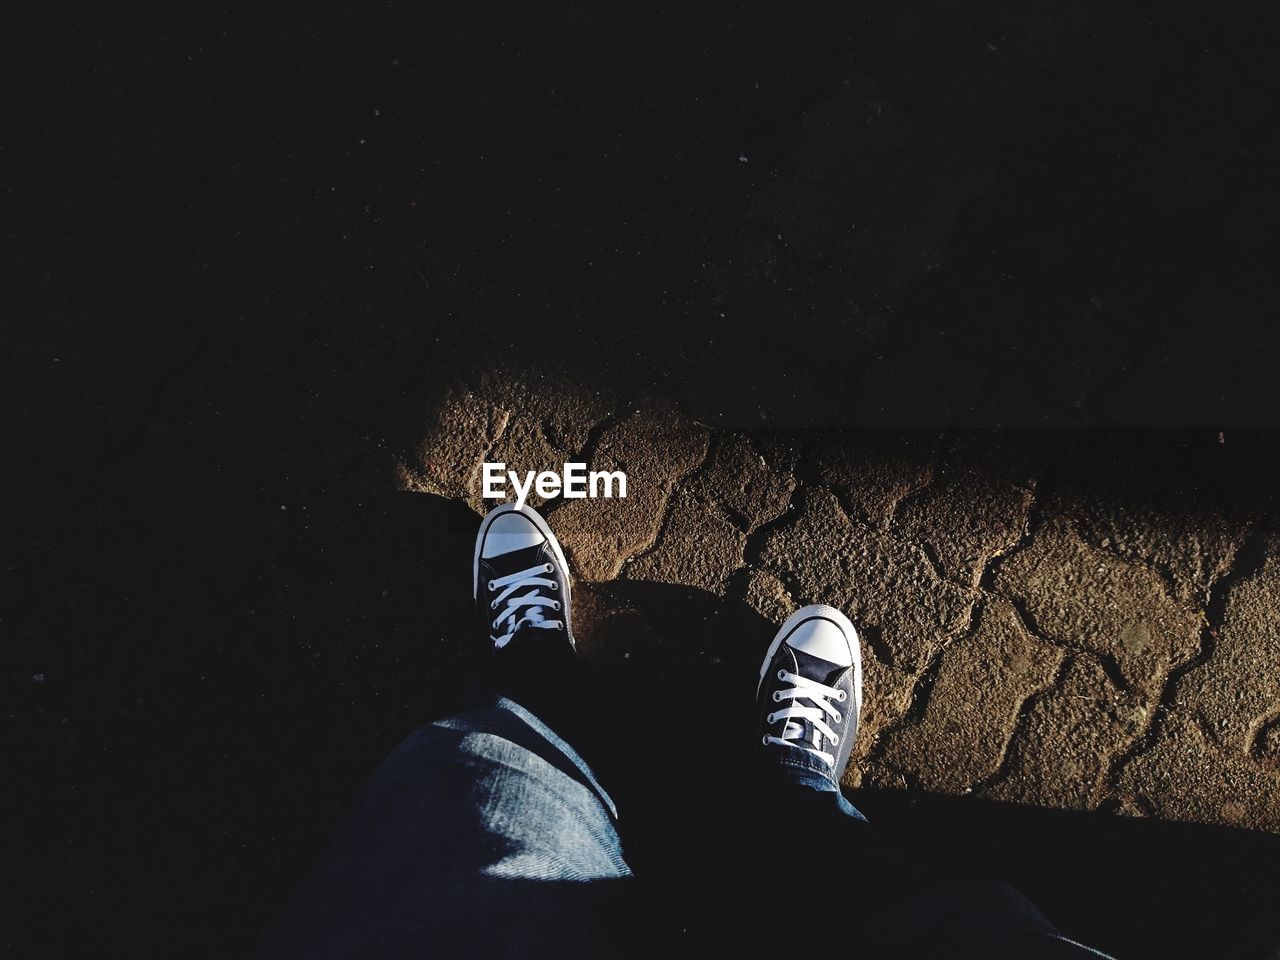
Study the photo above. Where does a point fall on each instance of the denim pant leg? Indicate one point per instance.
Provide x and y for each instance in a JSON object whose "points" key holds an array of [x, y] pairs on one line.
{"points": [[483, 834], [828, 860]]}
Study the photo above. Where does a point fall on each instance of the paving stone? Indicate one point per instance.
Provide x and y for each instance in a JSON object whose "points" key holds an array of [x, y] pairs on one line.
{"points": [[655, 447], [889, 588], [522, 446], [873, 471], [566, 409], [1237, 687], [1151, 520], [983, 680], [886, 698], [447, 460], [471, 428], [1037, 701], [766, 595], [781, 449], [1060, 754], [742, 482], [964, 518], [1079, 596], [698, 547], [1182, 776], [1267, 743]]}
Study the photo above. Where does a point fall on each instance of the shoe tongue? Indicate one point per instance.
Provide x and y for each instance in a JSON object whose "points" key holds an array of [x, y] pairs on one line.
{"points": [[811, 668]]}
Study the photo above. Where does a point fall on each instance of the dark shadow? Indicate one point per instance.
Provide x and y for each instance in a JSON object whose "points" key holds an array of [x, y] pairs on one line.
{"points": [[193, 813], [248, 247], [1132, 887]]}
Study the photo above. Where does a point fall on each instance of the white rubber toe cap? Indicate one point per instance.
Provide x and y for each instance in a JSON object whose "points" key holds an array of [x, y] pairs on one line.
{"points": [[510, 531], [824, 639]]}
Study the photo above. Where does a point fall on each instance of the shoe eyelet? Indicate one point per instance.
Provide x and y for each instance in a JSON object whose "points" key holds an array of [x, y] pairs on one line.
{"points": [[554, 585], [547, 568], [838, 718], [777, 696], [491, 586], [494, 605], [771, 718], [782, 674], [843, 696], [555, 604], [765, 739]]}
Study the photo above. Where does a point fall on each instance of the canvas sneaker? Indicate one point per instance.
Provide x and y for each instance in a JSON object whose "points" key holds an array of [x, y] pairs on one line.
{"points": [[810, 691], [520, 576]]}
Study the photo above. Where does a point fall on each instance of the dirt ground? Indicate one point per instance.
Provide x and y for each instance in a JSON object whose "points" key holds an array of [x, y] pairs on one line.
{"points": [[958, 316]]}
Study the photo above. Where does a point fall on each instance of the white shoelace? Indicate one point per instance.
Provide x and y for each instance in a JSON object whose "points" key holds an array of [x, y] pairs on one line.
{"points": [[792, 733], [526, 610]]}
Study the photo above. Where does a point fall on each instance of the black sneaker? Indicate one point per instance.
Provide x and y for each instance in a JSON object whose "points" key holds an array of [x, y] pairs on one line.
{"points": [[810, 691], [520, 576]]}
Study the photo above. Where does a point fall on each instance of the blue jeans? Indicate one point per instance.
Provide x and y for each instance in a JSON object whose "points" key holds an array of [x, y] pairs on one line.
{"points": [[487, 834]]}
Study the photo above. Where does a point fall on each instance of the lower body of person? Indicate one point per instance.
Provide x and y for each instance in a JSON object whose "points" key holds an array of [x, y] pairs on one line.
{"points": [[488, 834]]}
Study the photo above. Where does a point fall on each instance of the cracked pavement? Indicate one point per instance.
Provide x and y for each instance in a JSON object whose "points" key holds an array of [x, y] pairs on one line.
{"points": [[1048, 640]]}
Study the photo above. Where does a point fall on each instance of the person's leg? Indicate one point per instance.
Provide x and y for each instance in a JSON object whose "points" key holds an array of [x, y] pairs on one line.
{"points": [[486, 833], [813, 854]]}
